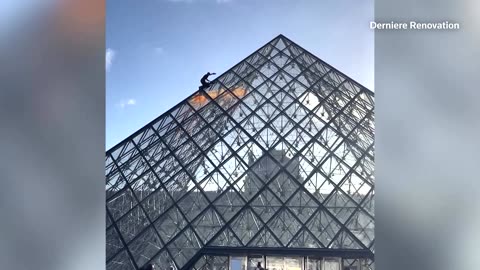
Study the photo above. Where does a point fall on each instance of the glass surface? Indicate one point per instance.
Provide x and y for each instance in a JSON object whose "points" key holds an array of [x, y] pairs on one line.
{"points": [[314, 264], [238, 263], [275, 263], [331, 264], [293, 263], [253, 262], [277, 153], [284, 263]]}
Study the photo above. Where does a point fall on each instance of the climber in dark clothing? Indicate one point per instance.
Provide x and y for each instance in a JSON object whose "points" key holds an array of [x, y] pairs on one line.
{"points": [[205, 82], [259, 267]]}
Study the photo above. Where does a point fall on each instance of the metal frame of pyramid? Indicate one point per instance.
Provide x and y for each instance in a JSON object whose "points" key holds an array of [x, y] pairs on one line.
{"points": [[276, 156]]}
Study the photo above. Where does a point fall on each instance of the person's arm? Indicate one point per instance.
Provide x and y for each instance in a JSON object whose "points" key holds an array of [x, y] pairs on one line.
{"points": [[208, 80]]}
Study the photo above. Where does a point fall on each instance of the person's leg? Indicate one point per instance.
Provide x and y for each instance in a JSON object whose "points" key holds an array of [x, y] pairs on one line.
{"points": [[204, 85]]}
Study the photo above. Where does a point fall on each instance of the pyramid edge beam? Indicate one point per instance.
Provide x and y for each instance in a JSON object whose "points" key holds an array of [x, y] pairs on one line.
{"points": [[116, 146]]}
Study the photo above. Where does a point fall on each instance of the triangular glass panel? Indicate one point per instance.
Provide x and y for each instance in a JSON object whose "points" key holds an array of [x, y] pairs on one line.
{"points": [[268, 69], [281, 59], [226, 238], [227, 80], [132, 223], [199, 100], [170, 224], [114, 244], [268, 89], [208, 224], [243, 69], [302, 205], [282, 100], [295, 51], [246, 225], [193, 204], [283, 185], [212, 262], [319, 68], [279, 44], [305, 239], [144, 247], [284, 225], [163, 261], [368, 204], [281, 79], [182, 112], [288, 153], [269, 52], [323, 227], [214, 185], [201, 264], [265, 205], [345, 241], [229, 204], [157, 203], [282, 124], [292, 66], [121, 262], [257, 59], [184, 247], [265, 238], [115, 185], [361, 225]]}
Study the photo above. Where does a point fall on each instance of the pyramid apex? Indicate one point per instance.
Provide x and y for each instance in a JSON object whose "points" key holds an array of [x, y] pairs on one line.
{"points": [[280, 36]]}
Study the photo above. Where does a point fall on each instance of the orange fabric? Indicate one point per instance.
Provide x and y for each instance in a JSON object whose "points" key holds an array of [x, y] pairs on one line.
{"points": [[201, 99]]}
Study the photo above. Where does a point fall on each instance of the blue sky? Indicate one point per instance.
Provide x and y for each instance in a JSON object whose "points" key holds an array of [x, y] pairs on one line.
{"points": [[157, 50]]}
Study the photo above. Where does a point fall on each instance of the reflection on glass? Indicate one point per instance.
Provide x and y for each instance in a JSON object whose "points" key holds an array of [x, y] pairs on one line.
{"points": [[314, 264], [237, 263], [284, 263], [275, 263], [253, 261], [293, 263]]}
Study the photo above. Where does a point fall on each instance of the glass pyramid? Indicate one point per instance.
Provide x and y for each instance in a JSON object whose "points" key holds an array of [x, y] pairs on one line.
{"points": [[276, 156]]}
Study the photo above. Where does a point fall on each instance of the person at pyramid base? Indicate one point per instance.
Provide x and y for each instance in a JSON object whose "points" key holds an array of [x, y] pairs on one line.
{"points": [[259, 267], [205, 82]]}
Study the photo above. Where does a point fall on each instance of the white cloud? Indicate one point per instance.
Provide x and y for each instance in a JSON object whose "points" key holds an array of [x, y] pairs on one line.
{"points": [[109, 56], [125, 103]]}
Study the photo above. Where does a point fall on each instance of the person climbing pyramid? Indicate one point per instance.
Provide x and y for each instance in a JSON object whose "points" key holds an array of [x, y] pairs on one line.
{"points": [[205, 82]]}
